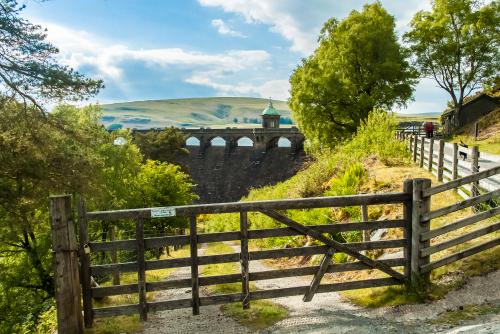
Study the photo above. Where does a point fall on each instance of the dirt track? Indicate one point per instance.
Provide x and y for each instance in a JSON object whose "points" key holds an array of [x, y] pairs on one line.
{"points": [[326, 313]]}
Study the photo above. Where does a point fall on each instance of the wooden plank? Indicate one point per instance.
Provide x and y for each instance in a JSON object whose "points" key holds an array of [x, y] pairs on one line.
{"points": [[440, 160], [431, 155], [407, 231], [169, 305], [415, 143], [244, 260], [459, 240], [462, 205], [65, 265], [300, 290], [252, 234], [454, 168], [364, 217], [460, 255], [474, 166], [332, 243], [195, 292], [141, 269], [104, 291], [221, 299], [422, 147], [114, 254], [313, 287], [85, 265], [112, 311], [460, 223], [313, 250], [462, 181], [103, 269], [303, 203], [420, 207]]}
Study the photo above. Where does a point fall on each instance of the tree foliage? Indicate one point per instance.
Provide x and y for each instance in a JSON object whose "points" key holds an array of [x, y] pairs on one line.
{"points": [[358, 66], [76, 157], [162, 145], [28, 68], [457, 45]]}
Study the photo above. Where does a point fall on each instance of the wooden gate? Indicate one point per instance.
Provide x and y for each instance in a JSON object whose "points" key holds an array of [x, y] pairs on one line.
{"points": [[273, 209], [420, 244]]}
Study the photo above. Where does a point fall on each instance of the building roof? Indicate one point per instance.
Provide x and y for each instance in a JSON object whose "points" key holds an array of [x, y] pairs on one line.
{"points": [[270, 110], [493, 94]]}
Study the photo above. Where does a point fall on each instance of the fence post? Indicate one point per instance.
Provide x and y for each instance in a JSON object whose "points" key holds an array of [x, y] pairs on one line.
{"points": [[474, 166], [420, 207], [114, 255], [85, 265], [454, 164], [141, 269], [415, 143], [244, 259], [364, 218], [410, 142], [431, 154], [422, 149], [66, 268], [407, 214], [195, 285], [440, 161]]}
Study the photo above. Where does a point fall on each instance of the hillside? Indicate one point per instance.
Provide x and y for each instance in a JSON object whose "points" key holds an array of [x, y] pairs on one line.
{"points": [[215, 112], [195, 112], [488, 138]]}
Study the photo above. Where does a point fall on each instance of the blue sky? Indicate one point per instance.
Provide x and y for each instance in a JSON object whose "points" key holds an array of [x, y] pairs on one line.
{"points": [[154, 49]]}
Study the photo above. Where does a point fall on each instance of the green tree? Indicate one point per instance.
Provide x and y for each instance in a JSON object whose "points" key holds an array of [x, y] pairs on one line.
{"points": [[358, 66], [457, 45], [28, 67], [163, 145]]}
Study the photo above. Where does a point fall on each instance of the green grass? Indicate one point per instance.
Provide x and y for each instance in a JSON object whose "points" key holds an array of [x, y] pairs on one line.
{"points": [[116, 325], [385, 296], [261, 314], [195, 112], [467, 312]]}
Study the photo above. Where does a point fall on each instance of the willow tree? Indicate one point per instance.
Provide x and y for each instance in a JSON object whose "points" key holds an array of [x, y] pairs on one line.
{"points": [[457, 45], [358, 66]]}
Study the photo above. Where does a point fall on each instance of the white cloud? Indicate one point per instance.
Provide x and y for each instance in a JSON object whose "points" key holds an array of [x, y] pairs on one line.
{"points": [[79, 49], [224, 29]]}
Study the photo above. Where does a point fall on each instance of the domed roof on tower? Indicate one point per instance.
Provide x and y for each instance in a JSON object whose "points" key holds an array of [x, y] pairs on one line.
{"points": [[270, 110]]}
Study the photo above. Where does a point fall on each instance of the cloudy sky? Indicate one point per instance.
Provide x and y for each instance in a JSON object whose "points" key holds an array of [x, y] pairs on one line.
{"points": [[157, 49]]}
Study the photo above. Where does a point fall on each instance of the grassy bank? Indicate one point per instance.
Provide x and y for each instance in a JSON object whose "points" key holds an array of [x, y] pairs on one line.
{"points": [[373, 161]]}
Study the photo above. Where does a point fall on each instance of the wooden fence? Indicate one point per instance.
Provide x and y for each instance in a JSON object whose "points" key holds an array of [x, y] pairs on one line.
{"points": [[450, 161], [413, 265]]}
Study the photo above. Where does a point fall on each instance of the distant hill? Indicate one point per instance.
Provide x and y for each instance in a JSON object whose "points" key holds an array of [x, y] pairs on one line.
{"points": [[215, 112], [196, 112]]}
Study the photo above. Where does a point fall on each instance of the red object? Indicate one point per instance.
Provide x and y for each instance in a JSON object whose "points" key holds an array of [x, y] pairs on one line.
{"points": [[429, 127]]}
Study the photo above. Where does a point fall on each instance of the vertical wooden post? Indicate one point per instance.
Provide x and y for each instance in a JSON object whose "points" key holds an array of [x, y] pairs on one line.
{"points": [[415, 143], [474, 166], [244, 258], [195, 287], [88, 317], [422, 151], [114, 255], [431, 154], [364, 218], [440, 166], [410, 142], [420, 207], [407, 216], [454, 164], [141, 269], [476, 130], [66, 269]]}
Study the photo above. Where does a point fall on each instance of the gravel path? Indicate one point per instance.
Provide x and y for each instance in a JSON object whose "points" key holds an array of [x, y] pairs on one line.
{"points": [[326, 313]]}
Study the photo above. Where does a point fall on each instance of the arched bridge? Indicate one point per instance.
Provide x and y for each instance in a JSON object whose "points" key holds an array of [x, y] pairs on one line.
{"points": [[261, 139]]}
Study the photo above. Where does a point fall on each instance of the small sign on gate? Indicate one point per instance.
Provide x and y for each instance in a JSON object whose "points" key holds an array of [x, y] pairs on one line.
{"points": [[166, 211]]}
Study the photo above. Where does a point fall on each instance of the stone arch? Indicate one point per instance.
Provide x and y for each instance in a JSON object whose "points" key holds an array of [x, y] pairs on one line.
{"points": [[193, 141], [218, 141], [284, 142], [244, 142]]}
